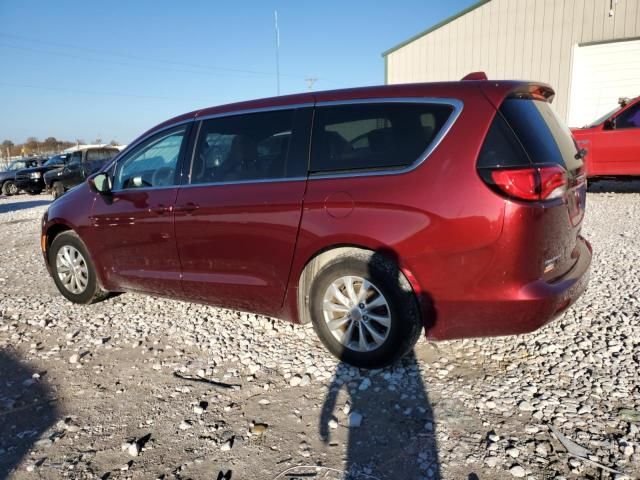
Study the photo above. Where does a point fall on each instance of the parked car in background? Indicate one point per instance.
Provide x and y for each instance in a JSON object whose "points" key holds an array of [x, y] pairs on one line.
{"points": [[31, 180], [8, 184], [612, 142], [80, 164], [372, 213]]}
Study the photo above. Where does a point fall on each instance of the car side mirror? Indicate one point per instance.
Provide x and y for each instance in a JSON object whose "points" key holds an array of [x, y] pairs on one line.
{"points": [[610, 124], [101, 183]]}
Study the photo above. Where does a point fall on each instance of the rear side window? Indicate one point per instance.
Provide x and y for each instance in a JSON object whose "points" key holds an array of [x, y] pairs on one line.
{"points": [[95, 155], [374, 136], [256, 146], [544, 137]]}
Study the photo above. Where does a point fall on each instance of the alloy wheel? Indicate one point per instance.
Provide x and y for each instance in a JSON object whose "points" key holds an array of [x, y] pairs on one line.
{"points": [[356, 313]]}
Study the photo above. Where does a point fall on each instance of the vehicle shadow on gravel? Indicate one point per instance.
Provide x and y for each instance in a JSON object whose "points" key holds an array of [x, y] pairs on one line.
{"points": [[391, 426], [16, 206], [27, 409], [615, 186]]}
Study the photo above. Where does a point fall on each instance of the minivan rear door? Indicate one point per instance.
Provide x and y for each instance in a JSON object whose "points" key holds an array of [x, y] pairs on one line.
{"points": [[237, 217]]}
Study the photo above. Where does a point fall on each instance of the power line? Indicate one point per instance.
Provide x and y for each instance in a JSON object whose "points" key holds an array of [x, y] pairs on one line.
{"points": [[99, 93], [210, 67]]}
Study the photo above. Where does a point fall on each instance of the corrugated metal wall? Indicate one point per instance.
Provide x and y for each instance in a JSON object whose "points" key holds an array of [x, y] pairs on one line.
{"points": [[515, 39]]}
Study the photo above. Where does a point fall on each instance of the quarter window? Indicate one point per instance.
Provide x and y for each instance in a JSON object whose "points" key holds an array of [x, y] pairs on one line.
{"points": [[152, 164], [256, 146], [374, 136]]}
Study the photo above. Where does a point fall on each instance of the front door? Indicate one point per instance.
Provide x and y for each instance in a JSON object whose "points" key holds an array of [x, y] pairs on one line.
{"points": [[237, 219], [618, 148], [133, 227]]}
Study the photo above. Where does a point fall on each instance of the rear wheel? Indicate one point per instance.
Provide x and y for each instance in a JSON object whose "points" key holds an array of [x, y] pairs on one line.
{"points": [[57, 190], [365, 311], [9, 188], [73, 272]]}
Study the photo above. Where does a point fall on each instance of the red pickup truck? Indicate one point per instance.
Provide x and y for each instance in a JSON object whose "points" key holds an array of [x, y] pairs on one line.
{"points": [[613, 142]]}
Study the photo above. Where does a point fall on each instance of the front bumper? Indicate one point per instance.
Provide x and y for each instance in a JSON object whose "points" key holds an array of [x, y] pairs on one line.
{"points": [[30, 183], [519, 310]]}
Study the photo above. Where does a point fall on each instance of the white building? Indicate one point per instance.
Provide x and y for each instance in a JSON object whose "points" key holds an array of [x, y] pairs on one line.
{"points": [[587, 50]]}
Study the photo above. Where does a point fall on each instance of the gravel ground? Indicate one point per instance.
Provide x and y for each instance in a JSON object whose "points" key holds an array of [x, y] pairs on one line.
{"points": [[142, 387]]}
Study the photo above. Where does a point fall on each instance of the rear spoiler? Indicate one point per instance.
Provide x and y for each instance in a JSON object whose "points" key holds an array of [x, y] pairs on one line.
{"points": [[497, 92], [529, 90]]}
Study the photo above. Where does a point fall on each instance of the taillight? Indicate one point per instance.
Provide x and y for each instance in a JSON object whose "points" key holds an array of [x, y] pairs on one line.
{"points": [[533, 184]]}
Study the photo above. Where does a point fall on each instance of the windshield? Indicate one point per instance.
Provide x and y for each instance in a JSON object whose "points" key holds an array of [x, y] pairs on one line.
{"points": [[57, 160], [603, 118], [18, 165]]}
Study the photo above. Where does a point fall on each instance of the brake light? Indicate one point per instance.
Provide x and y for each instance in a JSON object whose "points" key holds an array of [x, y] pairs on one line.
{"points": [[533, 184]]}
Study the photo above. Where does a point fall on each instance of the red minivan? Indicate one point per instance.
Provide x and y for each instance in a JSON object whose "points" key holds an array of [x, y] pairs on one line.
{"points": [[370, 212]]}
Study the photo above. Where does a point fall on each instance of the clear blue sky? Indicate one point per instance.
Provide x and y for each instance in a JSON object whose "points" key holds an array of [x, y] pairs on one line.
{"points": [[78, 69]]}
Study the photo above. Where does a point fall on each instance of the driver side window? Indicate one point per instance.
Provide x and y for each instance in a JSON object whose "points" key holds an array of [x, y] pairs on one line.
{"points": [[630, 118], [152, 163]]}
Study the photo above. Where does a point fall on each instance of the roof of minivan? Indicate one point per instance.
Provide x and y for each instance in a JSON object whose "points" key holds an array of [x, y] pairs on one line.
{"points": [[457, 89]]}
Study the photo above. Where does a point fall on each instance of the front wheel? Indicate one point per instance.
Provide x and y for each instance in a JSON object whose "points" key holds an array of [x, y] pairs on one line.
{"points": [[364, 311], [9, 188], [73, 271]]}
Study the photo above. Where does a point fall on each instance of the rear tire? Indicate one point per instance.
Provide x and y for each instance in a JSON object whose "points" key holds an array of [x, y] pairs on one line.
{"points": [[57, 190], [9, 188], [73, 271], [384, 322]]}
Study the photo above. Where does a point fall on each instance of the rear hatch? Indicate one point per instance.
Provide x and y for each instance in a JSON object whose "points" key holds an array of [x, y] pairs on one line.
{"points": [[530, 157]]}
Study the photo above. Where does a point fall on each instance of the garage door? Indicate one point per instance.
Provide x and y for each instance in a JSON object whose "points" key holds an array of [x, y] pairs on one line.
{"points": [[601, 74]]}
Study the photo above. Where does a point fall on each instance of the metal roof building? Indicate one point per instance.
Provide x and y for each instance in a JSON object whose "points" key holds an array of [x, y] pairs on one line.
{"points": [[588, 50]]}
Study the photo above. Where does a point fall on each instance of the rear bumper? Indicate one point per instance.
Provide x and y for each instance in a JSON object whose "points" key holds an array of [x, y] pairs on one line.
{"points": [[518, 310]]}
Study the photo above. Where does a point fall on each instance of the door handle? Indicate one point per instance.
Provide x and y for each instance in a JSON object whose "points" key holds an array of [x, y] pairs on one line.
{"points": [[187, 207], [161, 209]]}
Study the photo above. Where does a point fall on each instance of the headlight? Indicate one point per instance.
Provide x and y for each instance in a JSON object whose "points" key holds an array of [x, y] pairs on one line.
{"points": [[35, 175], [59, 173]]}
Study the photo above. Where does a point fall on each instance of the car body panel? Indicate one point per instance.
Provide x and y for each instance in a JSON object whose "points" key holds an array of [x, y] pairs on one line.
{"points": [[611, 151], [132, 237], [236, 248]]}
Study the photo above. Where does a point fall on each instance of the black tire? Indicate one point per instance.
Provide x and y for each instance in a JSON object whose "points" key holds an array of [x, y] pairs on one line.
{"points": [[92, 292], [406, 322], [10, 188], [57, 190]]}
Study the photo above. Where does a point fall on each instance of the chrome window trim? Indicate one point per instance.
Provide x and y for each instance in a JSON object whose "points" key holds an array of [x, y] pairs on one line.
{"points": [[248, 111], [457, 105], [242, 182]]}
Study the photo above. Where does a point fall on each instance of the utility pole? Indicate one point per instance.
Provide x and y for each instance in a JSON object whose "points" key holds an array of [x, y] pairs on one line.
{"points": [[275, 14], [310, 81]]}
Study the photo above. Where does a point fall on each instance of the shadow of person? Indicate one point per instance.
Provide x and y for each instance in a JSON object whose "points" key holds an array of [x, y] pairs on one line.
{"points": [[27, 409], [387, 413], [396, 437]]}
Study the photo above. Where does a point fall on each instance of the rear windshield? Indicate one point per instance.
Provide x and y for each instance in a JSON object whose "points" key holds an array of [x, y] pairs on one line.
{"points": [[545, 137]]}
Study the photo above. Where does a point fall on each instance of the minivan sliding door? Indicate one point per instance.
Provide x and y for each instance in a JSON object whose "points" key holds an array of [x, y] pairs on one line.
{"points": [[237, 218]]}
